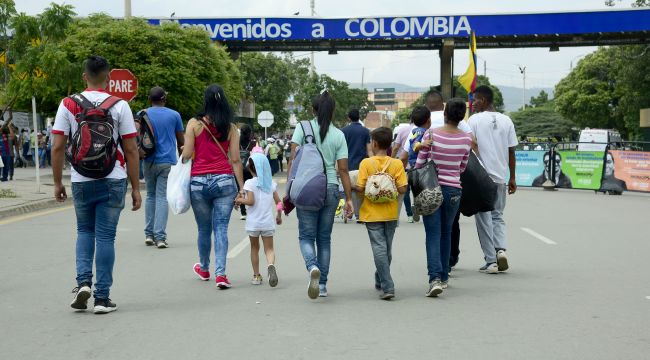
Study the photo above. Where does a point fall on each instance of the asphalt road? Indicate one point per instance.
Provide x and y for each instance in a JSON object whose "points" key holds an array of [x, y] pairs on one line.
{"points": [[578, 288]]}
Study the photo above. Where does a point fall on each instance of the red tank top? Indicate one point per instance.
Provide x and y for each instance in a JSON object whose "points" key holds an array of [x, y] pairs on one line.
{"points": [[208, 158]]}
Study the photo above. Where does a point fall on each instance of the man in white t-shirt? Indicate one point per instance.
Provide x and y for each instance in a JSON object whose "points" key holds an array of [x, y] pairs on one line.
{"points": [[98, 202], [495, 142]]}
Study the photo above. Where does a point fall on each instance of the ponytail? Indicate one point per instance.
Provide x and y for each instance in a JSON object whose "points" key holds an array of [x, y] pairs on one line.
{"points": [[326, 106]]}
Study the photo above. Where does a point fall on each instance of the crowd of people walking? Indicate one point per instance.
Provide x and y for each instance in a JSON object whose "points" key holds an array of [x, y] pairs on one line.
{"points": [[231, 168]]}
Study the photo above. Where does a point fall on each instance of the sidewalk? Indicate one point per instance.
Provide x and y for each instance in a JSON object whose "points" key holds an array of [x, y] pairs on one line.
{"points": [[27, 199]]}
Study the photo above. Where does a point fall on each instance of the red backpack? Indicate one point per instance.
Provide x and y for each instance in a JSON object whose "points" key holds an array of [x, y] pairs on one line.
{"points": [[92, 149]]}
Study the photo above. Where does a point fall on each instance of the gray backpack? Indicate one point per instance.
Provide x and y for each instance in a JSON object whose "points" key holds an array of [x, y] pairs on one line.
{"points": [[309, 190]]}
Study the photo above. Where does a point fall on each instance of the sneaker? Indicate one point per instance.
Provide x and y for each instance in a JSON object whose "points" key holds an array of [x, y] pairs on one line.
{"points": [[149, 241], [81, 296], [502, 260], [203, 275], [322, 290], [162, 244], [410, 219], [416, 217], [490, 268], [104, 306], [386, 296], [273, 276], [312, 289], [444, 284], [222, 282], [243, 217], [257, 280], [435, 288]]}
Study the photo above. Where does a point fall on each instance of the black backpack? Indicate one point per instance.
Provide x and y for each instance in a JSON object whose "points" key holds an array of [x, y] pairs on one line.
{"points": [[92, 149], [146, 138]]}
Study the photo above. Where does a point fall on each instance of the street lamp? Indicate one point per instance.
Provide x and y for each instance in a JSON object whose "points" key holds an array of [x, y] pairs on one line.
{"points": [[522, 69]]}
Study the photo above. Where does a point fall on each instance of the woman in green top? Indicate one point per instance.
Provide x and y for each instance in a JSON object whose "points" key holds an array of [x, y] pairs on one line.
{"points": [[315, 227]]}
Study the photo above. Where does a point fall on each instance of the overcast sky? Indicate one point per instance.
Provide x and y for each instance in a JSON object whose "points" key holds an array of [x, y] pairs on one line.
{"points": [[416, 68]]}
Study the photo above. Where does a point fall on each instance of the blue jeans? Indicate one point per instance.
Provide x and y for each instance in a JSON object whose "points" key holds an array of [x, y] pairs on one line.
{"points": [[381, 241], [155, 209], [42, 157], [8, 169], [437, 227], [213, 197], [97, 205], [315, 233]]}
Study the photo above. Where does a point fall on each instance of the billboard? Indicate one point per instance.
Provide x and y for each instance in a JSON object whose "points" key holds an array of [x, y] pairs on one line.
{"points": [[584, 169], [413, 27], [530, 168], [626, 170]]}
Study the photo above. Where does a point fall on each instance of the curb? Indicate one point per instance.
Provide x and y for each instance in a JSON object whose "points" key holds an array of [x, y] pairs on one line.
{"points": [[31, 207], [43, 205]]}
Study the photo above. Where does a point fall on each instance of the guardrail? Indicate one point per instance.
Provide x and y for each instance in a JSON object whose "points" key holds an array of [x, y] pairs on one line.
{"points": [[603, 167]]}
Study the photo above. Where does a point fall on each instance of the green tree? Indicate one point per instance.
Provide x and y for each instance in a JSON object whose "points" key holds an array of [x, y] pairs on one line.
{"points": [[268, 81], [542, 121], [7, 12], [183, 61], [540, 100], [481, 80]]}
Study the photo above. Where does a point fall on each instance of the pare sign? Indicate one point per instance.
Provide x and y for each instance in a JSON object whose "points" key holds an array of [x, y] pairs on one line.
{"points": [[123, 84]]}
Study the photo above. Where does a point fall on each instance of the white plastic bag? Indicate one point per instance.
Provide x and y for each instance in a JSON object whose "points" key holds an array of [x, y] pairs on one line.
{"points": [[178, 187]]}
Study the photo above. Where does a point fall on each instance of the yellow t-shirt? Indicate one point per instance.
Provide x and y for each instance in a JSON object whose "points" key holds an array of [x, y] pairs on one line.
{"points": [[379, 212]]}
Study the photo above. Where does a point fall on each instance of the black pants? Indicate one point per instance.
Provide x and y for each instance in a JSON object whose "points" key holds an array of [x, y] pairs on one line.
{"points": [[247, 176], [455, 241]]}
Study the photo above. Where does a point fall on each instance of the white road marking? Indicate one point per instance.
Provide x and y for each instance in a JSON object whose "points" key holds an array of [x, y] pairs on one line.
{"points": [[539, 236], [238, 248]]}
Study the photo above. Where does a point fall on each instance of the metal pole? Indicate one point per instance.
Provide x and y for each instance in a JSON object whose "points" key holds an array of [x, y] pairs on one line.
{"points": [[363, 69], [484, 68], [265, 135], [522, 69], [36, 160], [127, 9], [312, 67]]}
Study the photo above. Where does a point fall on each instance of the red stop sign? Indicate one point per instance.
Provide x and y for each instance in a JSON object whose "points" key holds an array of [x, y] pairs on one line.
{"points": [[123, 84]]}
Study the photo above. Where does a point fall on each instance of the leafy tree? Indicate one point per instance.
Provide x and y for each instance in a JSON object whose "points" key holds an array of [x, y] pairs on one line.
{"points": [[481, 80], [7, 12], [182, 61], [542, 121], [346, 97], [268, 82], [540, 100]]}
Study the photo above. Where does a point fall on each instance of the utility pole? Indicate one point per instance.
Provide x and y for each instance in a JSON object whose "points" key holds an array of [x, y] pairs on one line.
{"points": [[127, 9], [484, 68], [522, 69], [312, 4], [363, 69]]}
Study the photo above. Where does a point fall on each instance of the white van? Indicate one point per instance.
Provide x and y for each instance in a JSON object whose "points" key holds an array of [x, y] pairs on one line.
{"points": [[597, 139]]}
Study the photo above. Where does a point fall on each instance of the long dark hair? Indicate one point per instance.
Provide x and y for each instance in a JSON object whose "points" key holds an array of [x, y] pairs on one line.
{"points": [[326, 106], [217, 109], [245, 132]]}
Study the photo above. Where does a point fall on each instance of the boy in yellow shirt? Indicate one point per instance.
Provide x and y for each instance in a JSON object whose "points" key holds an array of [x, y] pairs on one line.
{"points": [[381, 218]]}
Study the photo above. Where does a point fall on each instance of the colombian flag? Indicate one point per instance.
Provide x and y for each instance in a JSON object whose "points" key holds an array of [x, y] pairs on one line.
{"points": [[468, 80]]}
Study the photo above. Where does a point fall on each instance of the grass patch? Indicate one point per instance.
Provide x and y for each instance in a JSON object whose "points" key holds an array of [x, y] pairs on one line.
{"points": [[7, 193]]}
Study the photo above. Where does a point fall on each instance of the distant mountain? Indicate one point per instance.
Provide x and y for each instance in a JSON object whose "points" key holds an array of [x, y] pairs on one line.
{"points": [[511, 94]]}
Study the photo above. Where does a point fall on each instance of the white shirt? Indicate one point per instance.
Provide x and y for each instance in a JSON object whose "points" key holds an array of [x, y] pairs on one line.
{"points": [[65, 124], [259, 216], [438, 120], [494, 133]]}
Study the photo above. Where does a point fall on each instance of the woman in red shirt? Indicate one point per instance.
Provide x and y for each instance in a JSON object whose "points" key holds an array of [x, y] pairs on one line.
{"points": [[213, 140]]}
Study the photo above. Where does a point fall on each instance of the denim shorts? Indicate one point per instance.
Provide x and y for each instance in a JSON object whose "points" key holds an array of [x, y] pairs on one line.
{"points": [[264, 233]]}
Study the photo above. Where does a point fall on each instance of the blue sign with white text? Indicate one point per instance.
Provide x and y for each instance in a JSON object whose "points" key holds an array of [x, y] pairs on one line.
{"points": [[256, 29]]}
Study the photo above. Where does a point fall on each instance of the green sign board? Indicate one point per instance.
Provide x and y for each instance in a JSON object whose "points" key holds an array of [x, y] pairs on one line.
{"points": [[583, 168]]}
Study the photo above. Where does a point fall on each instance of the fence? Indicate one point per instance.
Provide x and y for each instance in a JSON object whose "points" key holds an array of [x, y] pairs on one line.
{"points": [[607, 167]]}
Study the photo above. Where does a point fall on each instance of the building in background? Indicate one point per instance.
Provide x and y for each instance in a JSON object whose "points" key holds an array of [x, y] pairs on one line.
{"points": [[387, 99], [376, 119]]}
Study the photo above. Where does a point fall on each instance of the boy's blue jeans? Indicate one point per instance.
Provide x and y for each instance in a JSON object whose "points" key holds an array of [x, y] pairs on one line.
{"points": [[98, 205], [437, 227]]}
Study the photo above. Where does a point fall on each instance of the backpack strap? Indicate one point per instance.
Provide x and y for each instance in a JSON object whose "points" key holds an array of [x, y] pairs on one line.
{"points": [[109, 102], [82, 101], [308, 131], [387, 165]]}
